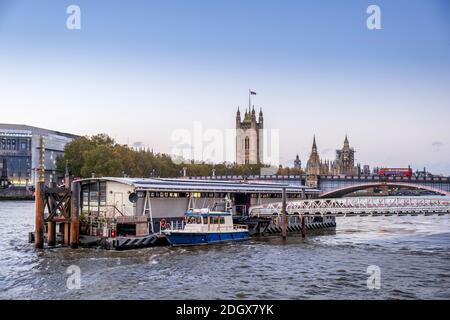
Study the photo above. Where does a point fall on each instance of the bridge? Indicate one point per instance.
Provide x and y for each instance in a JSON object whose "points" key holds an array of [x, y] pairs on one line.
{"points": [[339, 192], [358, 206], [336, 186]]}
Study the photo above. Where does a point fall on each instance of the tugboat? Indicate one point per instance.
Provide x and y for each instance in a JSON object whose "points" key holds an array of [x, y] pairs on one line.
{"points": [[205, 226]]}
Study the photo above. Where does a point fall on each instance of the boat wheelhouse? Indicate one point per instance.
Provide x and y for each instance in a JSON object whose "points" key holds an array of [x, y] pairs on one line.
{"points": [[205, 226]]}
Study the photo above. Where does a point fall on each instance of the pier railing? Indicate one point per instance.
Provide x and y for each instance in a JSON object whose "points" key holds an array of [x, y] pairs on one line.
{"points": [[359, 206]]}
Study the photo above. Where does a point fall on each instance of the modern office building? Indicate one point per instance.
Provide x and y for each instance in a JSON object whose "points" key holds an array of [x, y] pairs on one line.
{"points": [[20, 146]]}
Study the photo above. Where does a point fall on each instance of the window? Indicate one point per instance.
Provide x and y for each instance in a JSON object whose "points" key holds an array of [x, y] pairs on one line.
{"points": [[247, 150], [217, 220], [102, 193], [23, 145], [194, 220]]}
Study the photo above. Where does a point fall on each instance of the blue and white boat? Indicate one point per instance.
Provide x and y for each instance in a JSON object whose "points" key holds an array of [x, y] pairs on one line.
{"points": [[203, 226]]}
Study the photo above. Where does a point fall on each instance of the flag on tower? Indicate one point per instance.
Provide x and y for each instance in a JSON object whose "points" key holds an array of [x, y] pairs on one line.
{"points": [[252, 92]]}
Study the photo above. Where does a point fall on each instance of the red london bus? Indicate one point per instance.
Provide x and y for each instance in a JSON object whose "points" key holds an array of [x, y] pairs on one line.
{"points": [[399, 172]]}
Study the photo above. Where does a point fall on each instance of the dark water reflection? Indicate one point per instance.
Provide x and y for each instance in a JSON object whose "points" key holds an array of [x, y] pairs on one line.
{"points": [[413, 254]]}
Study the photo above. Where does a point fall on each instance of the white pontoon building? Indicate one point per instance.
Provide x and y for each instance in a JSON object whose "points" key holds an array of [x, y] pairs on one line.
{"points": [[136, 206]]}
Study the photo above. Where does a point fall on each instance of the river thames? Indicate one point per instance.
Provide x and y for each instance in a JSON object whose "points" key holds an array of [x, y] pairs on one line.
{"points": [[412, 253]]}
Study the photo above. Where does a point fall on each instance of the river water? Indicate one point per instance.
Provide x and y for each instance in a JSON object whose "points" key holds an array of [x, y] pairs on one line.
{"points": [[412, 254]]}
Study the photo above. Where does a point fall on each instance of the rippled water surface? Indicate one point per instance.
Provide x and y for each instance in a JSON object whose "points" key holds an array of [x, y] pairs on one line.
{"points": [[413, 254]]}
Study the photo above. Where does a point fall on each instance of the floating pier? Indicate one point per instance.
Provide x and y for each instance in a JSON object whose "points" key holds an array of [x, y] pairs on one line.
{"points": [[130, 213]]}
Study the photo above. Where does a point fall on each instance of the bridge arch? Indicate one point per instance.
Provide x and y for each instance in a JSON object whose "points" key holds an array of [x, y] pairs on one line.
{"points": [[352, 188]]}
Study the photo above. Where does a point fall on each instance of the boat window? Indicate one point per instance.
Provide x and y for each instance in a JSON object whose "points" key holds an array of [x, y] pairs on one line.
{"points": [[194, 220], [190, 220], [217, 220], [205, 220]]}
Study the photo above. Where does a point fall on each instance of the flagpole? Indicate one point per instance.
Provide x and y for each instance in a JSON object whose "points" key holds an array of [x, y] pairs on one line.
{"points": [[249, 99]]}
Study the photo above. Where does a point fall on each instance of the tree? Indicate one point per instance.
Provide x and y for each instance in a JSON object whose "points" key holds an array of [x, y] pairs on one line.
{"points": [[101, 155]]}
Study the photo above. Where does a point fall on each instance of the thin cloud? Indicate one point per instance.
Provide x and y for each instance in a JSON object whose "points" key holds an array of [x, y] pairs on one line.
{"points": [[437, 144]]}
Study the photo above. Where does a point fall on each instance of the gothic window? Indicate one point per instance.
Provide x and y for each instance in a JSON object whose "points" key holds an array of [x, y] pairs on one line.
{"points": [[247, 150]]}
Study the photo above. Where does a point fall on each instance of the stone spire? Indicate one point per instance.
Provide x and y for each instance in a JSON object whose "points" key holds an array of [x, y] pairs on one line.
{"points": [[261, 118], [253, 116], [346, 143], [314, 146], [238, 118]]}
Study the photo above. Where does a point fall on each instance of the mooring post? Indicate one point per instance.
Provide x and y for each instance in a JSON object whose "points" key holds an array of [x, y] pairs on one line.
{"points": [[74, 215], [283, 216], [39, 197], [303, 227], [39, 215], [66, 233], [51, 225], [67, 185], [51, 233]]}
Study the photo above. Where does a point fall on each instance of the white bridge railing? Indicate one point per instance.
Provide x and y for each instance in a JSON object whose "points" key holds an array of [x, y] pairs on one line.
{"points": [[359, 206]]}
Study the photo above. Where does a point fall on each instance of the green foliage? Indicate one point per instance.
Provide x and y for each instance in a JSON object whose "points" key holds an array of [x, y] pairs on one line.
{"points": [[102, 156]]}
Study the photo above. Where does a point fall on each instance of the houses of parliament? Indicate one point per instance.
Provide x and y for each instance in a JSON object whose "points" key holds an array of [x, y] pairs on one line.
{"points": [[344, 164], [249, 150]]}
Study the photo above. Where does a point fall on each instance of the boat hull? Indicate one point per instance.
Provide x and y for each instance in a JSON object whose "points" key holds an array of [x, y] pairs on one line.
{"points": [[193, 239]]}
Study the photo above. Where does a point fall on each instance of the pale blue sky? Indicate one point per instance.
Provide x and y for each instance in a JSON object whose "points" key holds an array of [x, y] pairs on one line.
{"points": [[138, 70]]}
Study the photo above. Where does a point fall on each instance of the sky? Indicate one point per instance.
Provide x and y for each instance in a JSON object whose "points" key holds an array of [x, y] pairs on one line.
{"points": [[148, 71]]}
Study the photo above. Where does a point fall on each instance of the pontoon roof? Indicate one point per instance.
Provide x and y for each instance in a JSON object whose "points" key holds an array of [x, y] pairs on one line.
{"points": [[186, 185]]}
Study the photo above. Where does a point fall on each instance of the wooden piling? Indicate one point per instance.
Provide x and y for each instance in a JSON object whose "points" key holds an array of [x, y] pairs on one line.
{"points": [[283, 216], [303, 227], [51, 233], [74, 215], [66, 234], [39, 215]]}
